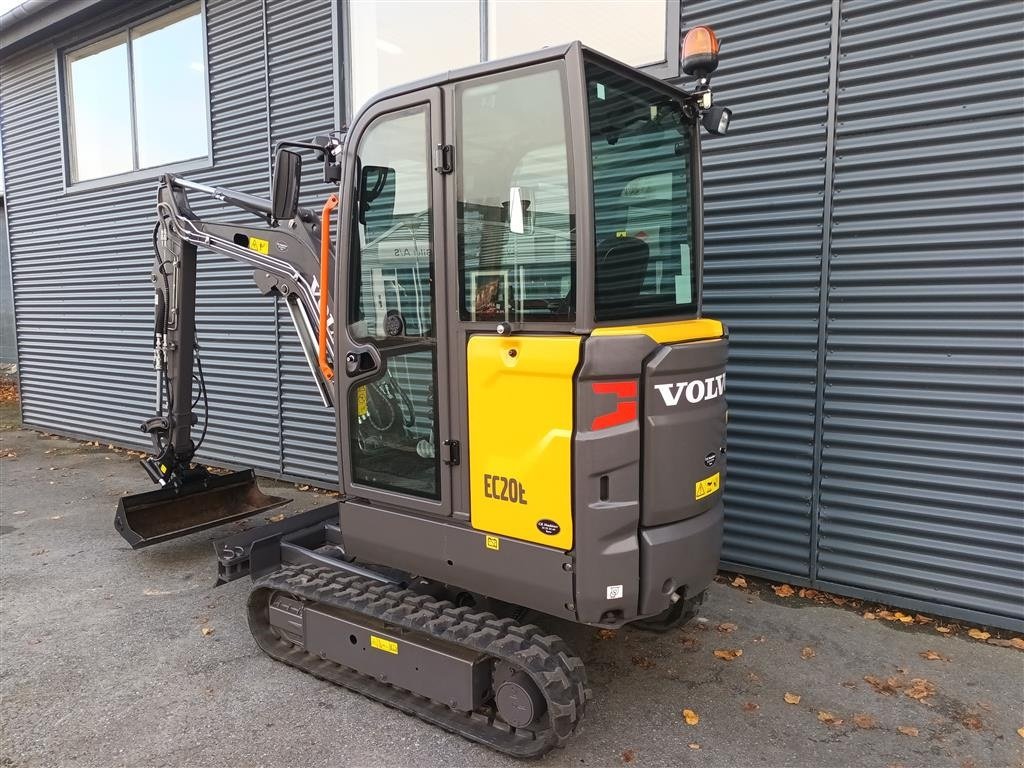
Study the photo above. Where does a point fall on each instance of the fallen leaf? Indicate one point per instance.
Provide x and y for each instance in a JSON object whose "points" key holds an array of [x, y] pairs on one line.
{"points": [[920, 689], [809, 594], [643, 662], [971, 722], [907, 730], [1015, 642], [1020, 732], [943, 630], [690, 717], [276, 518], [207, 631], [886, 687], [932, 656], [828, 717], [791, 698], [727, 627], [728, 654], [869, 615], [688, 643], [978, 634], [887, 615], [784, 590], [902, 617], [750, 706], [302, 487], [864, 721], [605, 634], [740, 582], [628, 756], [807, 653], [695, 745], [922, 619]]}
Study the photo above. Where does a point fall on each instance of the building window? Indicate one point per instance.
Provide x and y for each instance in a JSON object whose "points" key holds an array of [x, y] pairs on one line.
{"points": [[397, 41], [137, 99]]}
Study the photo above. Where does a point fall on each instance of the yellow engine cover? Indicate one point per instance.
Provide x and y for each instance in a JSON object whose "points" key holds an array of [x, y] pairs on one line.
{"points": [[520, 436]]}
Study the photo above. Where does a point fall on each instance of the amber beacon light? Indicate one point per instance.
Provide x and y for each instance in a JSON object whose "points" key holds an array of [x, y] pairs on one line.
{"points": [[700, 52]]}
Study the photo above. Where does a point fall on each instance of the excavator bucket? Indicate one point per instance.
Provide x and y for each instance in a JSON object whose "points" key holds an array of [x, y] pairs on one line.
{"points": [[155, 516]]}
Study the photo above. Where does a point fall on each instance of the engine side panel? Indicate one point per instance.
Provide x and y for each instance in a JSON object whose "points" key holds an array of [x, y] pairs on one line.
{"points": [[520, 436]]}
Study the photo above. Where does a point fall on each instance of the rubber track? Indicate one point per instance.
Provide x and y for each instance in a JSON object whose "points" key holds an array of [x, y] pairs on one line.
{"points": [[546, 658]]}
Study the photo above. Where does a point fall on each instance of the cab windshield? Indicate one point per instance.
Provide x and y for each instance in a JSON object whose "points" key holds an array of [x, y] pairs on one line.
{"points": [[640, 142]]}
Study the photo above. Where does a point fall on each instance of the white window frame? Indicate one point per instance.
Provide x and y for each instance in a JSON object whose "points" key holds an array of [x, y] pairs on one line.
{"points": [[124, 35], [666, 69]]}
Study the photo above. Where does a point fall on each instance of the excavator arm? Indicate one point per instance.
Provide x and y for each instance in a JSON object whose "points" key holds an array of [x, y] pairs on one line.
{"points": [[290, 255]]}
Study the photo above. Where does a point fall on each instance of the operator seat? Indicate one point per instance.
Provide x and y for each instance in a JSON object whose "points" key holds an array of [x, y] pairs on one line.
{"points": [[621, 270]]}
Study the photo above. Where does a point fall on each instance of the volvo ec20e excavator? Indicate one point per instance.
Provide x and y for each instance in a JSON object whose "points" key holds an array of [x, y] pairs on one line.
{"points": [[502, 303]]}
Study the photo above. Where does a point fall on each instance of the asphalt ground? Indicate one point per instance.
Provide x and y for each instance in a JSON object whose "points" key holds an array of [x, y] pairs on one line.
{"points": [[104, 661]]}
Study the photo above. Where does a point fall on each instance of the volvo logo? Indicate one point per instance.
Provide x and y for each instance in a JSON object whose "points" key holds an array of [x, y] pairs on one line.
{"points": [[696, 391]]}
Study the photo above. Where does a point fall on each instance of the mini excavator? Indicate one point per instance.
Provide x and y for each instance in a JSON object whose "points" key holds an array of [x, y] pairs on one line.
{"points": [[502, 304]]}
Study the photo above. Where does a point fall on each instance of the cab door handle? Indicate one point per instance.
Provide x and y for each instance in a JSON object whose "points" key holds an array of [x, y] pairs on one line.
{"points": [[362, 360]]}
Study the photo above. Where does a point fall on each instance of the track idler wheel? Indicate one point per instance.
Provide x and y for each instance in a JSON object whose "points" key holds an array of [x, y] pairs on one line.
{"points": [[519, 701]]}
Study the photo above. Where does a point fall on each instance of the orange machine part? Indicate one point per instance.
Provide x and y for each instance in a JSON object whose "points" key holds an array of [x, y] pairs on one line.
{"points": [[325, 265]]}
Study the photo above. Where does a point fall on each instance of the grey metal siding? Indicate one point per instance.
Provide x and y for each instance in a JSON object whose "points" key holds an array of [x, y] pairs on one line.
{"points": [[764, 189], [302, 87], [236, 326], [81, 259], [923, 440], [906, 176], [8, 341], [82, 336]]}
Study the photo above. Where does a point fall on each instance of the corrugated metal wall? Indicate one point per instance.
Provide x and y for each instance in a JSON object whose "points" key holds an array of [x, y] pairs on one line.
{"points": [[870, 188], [81, 259], [923, 439], [764, 190], [904, 171], [302, 69]]}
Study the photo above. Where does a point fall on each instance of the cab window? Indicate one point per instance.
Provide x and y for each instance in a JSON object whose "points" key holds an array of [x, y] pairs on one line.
{"points": [[515, 220], [640, 143]]}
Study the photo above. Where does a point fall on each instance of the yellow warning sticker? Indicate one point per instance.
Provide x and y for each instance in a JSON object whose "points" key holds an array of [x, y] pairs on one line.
{"points": [[707, 486], [258, 245], [361, 405], [493, 542], [382, 644]]}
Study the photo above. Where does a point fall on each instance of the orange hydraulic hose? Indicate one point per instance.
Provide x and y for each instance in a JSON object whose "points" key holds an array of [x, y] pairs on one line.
{"points": [[325, 264]]}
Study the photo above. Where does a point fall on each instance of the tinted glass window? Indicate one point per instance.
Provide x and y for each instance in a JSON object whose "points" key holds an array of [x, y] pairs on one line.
{"points": [[170, 92], [643, 207], [393, 416], [515, 222], [138, 99], [101, 118]]}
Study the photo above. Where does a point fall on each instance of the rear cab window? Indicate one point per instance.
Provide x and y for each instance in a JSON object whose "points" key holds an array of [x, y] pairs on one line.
{"points": [[641, 153]]}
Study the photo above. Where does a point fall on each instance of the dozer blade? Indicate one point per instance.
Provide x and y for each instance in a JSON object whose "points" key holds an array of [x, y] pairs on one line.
{"points": [[150, 518]]}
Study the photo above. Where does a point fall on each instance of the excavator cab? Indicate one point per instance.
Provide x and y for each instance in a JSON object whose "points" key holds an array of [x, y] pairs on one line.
{"points": [[503, 305]]}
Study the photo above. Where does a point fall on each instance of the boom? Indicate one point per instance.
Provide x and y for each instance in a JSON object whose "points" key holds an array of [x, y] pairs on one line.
{"points": [[290, 254]]}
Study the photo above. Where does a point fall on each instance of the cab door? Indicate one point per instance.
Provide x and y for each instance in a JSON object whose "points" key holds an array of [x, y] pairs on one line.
{"points": [[512, 310], [393, 414]]}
